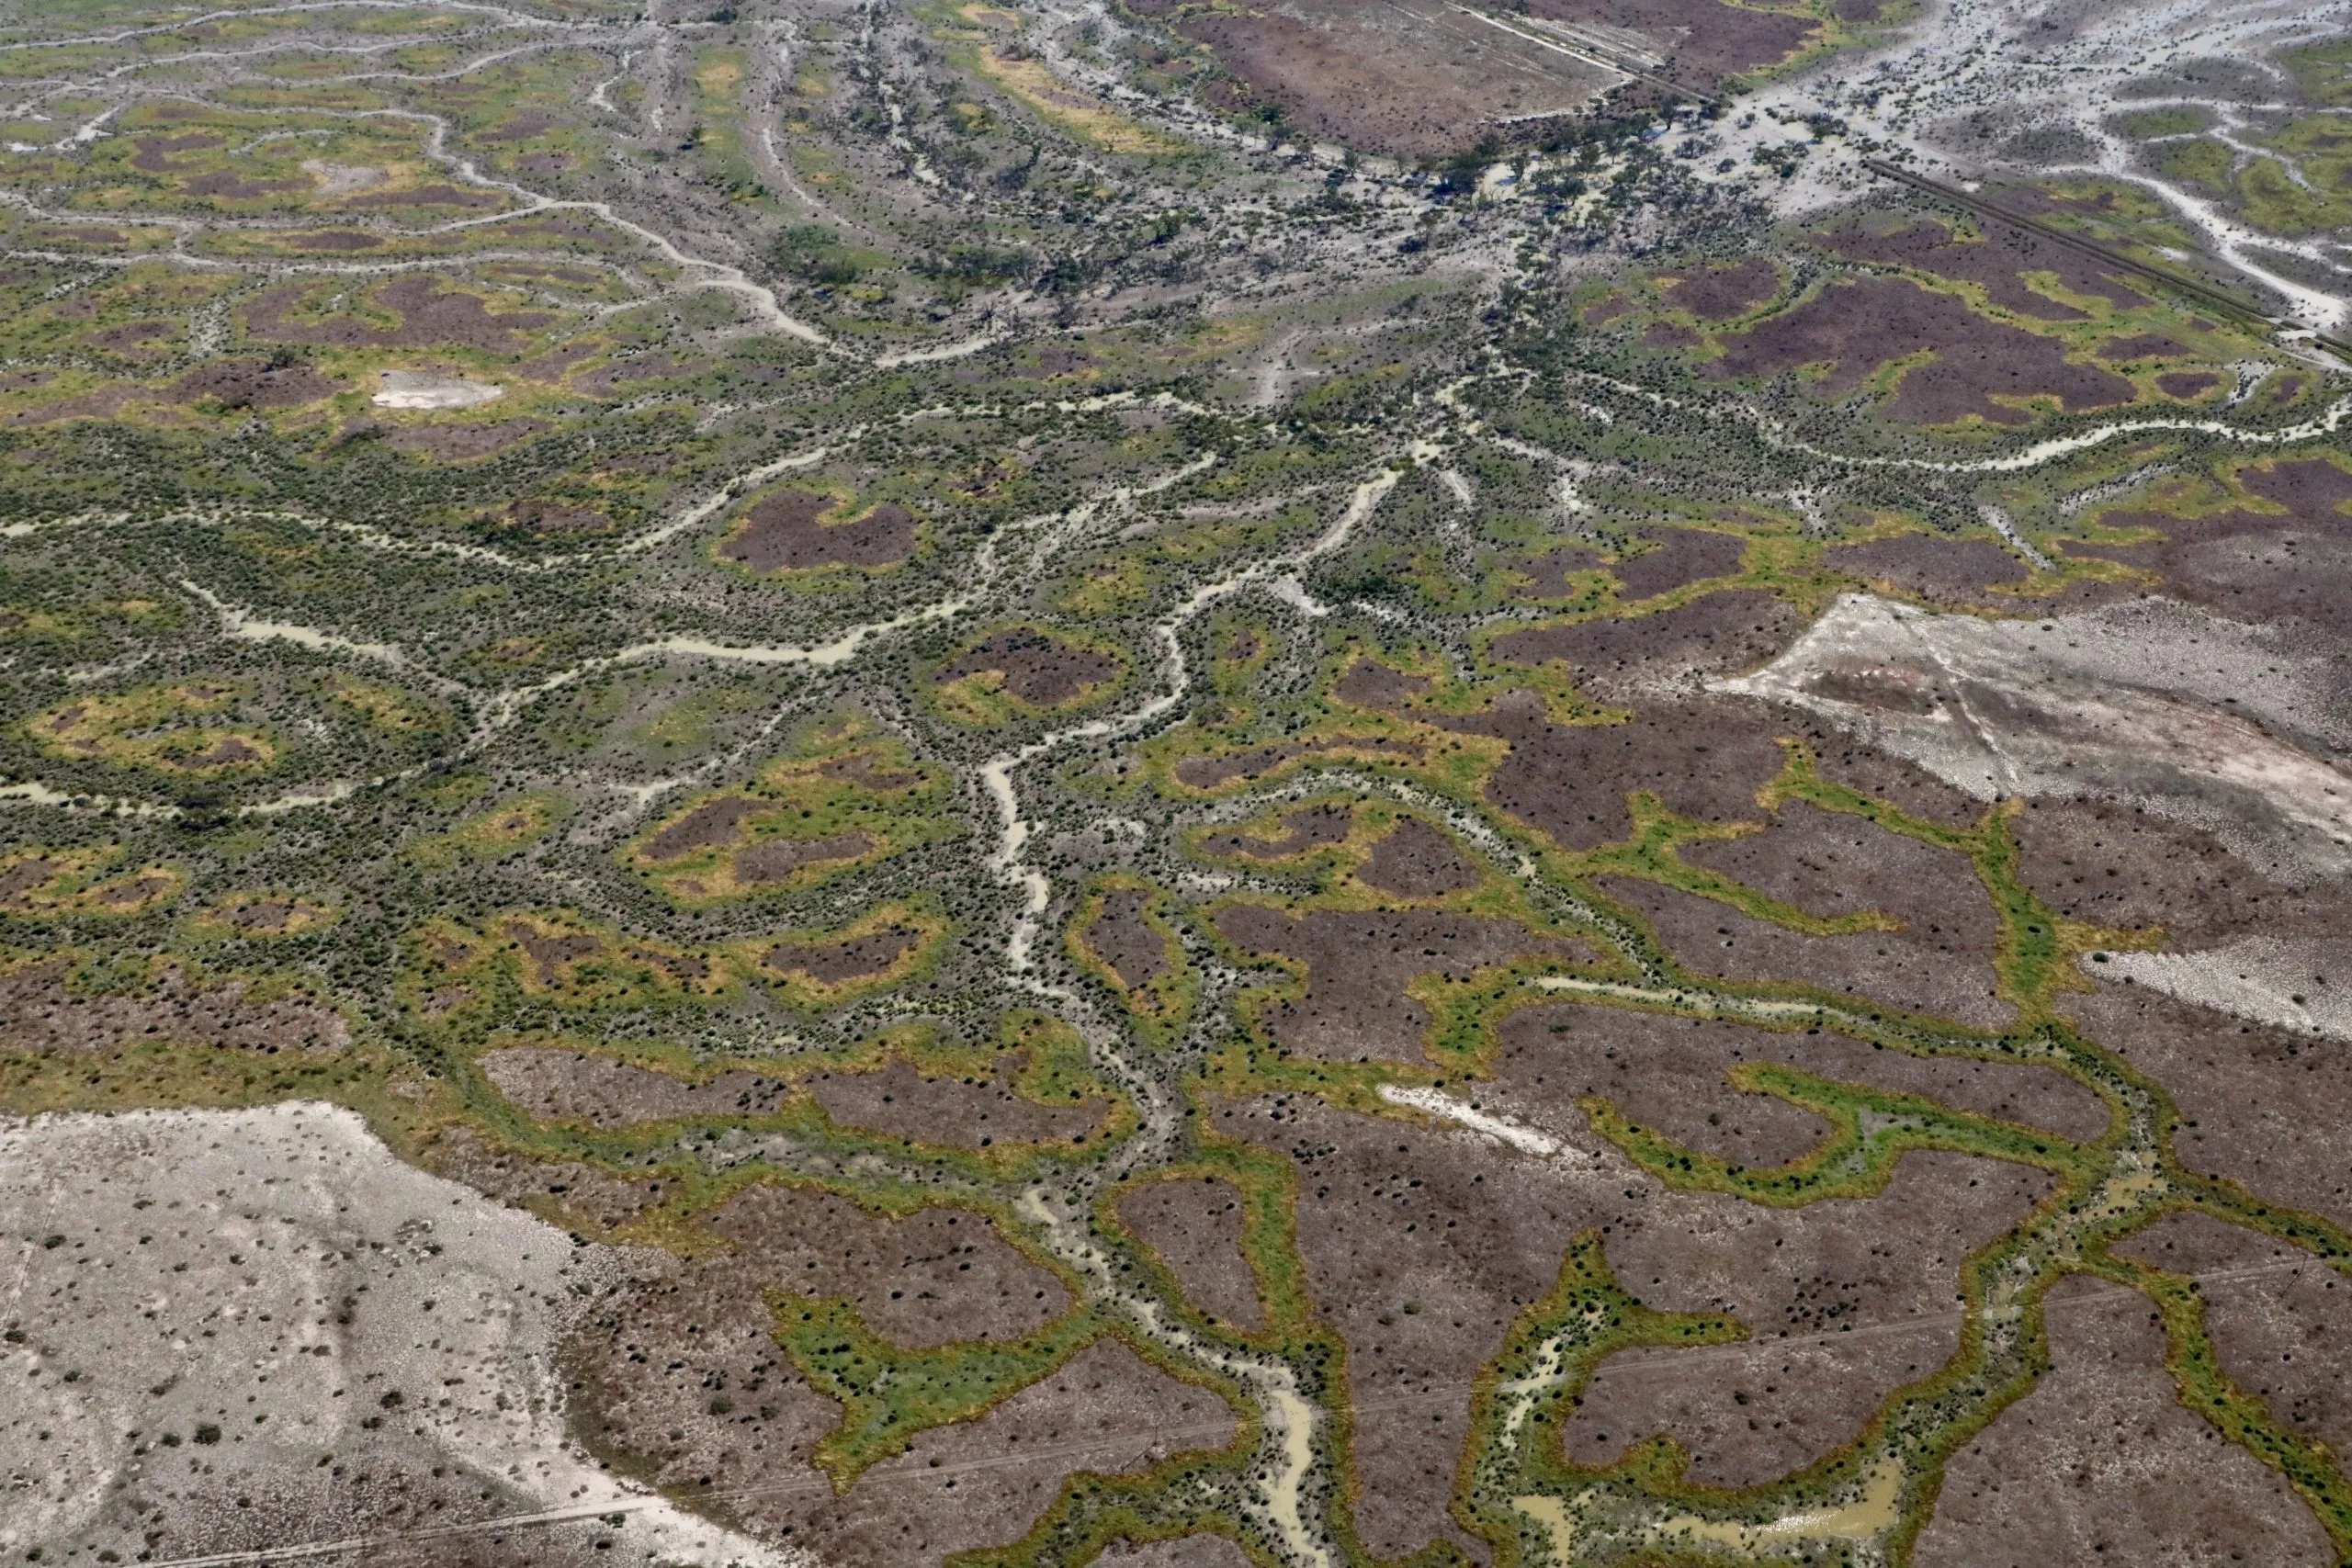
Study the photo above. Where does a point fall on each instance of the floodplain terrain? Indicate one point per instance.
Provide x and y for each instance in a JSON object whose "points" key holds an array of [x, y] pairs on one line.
{"points": [[1023, 786]]}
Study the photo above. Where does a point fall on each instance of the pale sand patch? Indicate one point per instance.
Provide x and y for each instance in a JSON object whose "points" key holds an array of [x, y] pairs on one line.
{"points": [[342, 179], [2304, 985], [1525, 1139], [258, 1284], [2190, 714], [1866, 1517], [418, 389]]}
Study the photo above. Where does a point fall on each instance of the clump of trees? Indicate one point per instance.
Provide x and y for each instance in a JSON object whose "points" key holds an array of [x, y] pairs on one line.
{"points": [[813, 254]]}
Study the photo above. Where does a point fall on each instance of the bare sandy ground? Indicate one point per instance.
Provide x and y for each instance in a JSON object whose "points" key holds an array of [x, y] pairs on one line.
{"points": [[2199, 718], [2275, 980], [228, 1331], [416, 390]]}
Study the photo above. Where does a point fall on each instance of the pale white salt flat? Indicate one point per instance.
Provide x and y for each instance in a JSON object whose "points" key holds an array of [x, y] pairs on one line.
{"points": [[418, 389], [220, 1320], [2302, 984], [2208, 721]]}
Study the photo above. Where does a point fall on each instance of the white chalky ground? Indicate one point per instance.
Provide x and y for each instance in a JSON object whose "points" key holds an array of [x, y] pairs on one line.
{"points": [[257, 1329]]}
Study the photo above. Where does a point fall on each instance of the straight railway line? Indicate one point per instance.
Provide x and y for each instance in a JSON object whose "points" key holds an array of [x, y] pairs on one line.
{"points": [[2216, 299]]}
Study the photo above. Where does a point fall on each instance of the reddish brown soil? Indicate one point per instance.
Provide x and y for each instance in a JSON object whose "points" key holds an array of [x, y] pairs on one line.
{"points": [[689, 1382], [236, 188], [1703, 41], [333, 240], [1193, 1226], [23, 877], [1620, 658], [152, 153], [1929, 567], [2187, 384], [2146, 345], [138, 890], [37, 1013], [683, 968], [2102, 1463], [1410, 79], [1828, 864], [1724, 293], [427, 195], [225, 752], [779, 860], [2112, 866], [2277, 1315], [1107, 1412], [1209, 771], [1371, 684], [1467, 1234], [1677, 556], [1757, 1411], [106, 402], [546, 956], [1855, 328], [556, 363], [1936, 972], [1358, 964], [1308, 828], [643, 368], [1417, 861], [578, 1190], [900, 1102], [463, 443], [2258, 566], [267, 915], [1669, 337], [1038, 668], [684, 1377], [1997, 263], [2267, 1109], [1547, 576], [1705, 759], [238, 383], [1667, 1074], [1847, 1300], [859, 769], [711, 823], [1608, 310], [429, 314], [1119, 936], [936, 1277], [140, 342], [831, 962], [522, 127], [1903, 785], [983, 1483], [573, 1085], [783, 533]]}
